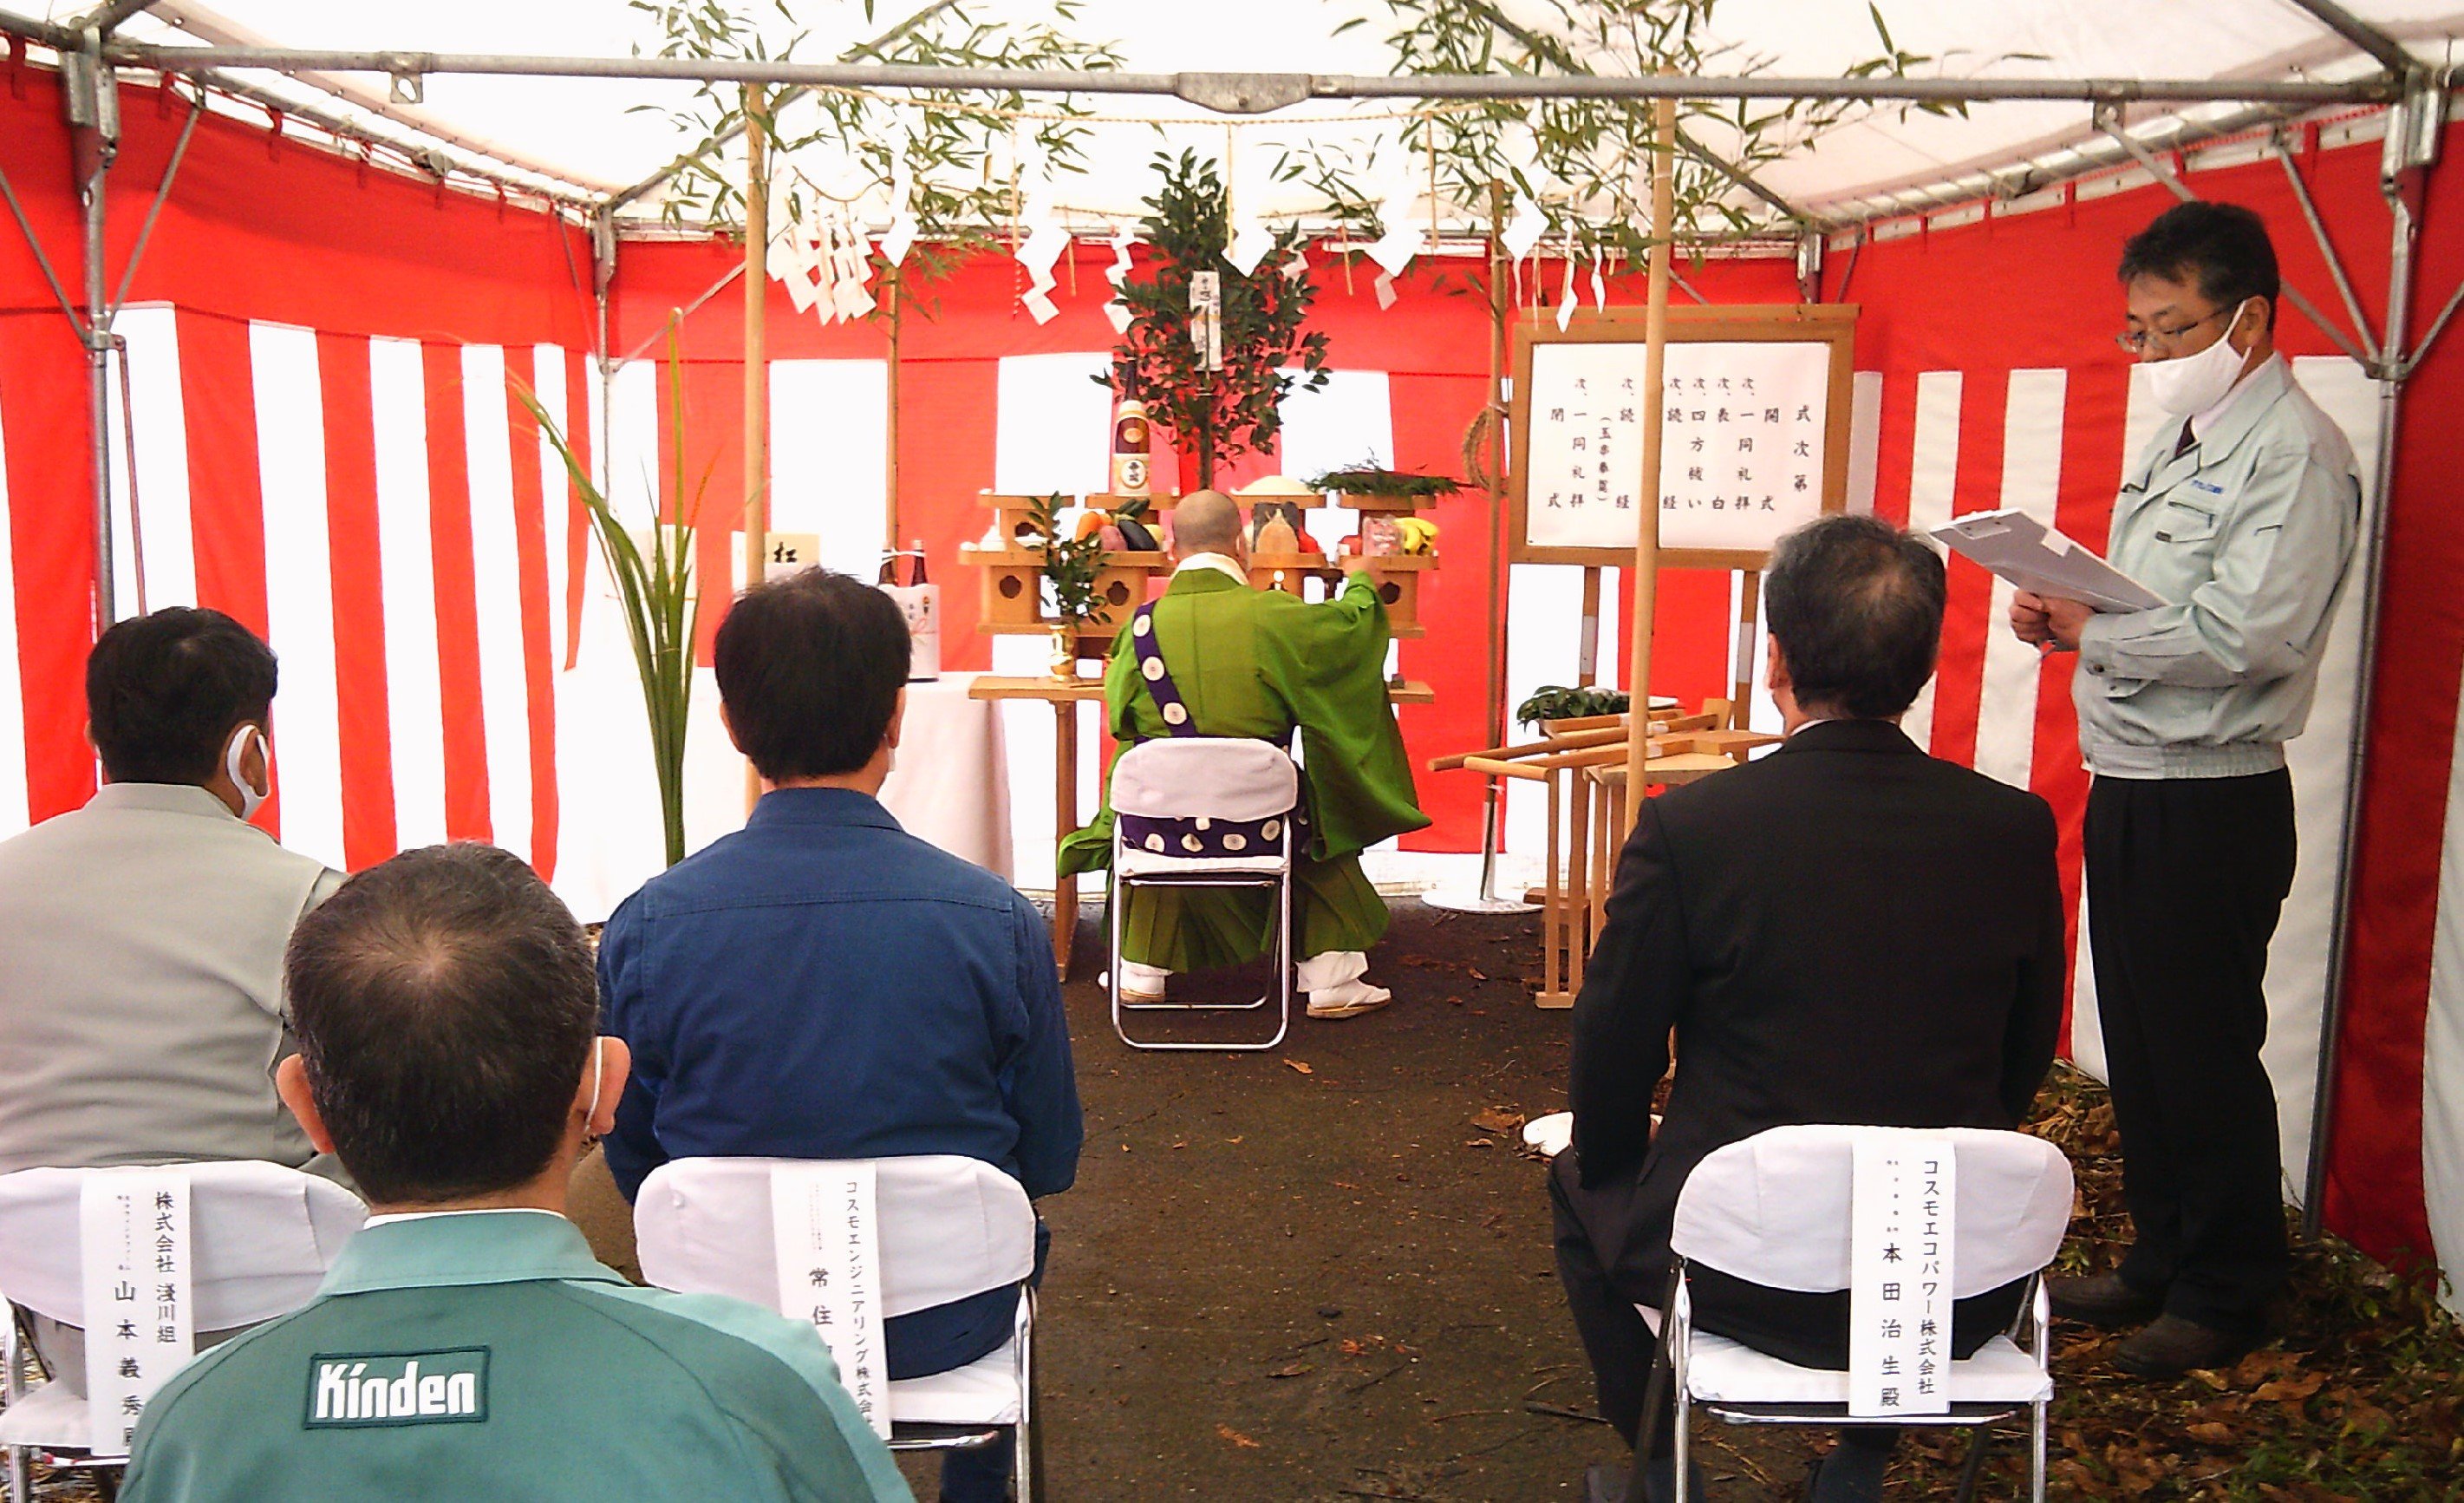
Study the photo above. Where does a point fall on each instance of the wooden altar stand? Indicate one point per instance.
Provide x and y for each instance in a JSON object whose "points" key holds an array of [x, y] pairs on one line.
{"points": [[1582, 763]]}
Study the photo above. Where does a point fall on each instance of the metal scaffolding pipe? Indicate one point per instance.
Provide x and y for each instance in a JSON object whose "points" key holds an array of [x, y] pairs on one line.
{"points": [[2327, 250], [2371, 563], [1280, 88], [2388, 52], [108, 17]]}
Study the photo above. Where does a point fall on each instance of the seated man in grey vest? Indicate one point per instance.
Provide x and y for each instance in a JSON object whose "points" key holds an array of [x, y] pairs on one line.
{"points": [[464, 1344], [141, 1001]]}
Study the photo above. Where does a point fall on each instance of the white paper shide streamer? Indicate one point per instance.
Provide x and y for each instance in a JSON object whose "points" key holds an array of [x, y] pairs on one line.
{"points": [[1045, 238], [1115, 311]]}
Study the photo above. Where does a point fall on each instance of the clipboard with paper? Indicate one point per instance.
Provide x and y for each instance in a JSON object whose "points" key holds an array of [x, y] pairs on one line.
{"points": [[2012, 546]]}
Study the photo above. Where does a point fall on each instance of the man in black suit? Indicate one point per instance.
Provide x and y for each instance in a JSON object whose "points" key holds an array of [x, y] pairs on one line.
{"points": [[1845, 931]]}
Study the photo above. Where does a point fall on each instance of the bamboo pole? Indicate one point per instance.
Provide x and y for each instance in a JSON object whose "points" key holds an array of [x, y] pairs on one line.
{"points": [[1646, 540], [890, 450], [757, 361]]}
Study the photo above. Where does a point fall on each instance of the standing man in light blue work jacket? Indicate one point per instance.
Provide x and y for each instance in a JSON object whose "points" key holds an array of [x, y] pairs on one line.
{"points": [[2241, 516]]}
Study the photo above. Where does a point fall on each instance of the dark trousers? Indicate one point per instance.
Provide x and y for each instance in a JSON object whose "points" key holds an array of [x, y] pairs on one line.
{"points": [[947, 1337], [2184, 880]]}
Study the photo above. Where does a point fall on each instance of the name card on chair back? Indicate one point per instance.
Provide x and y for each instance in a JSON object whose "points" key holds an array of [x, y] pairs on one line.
{"points": [[140, 1319], [1899, 1272], [829, 1271]]}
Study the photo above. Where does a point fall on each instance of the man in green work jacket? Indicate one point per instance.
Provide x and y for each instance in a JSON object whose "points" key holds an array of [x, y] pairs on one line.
{"points": [[1265, 665], [464, 1344]]}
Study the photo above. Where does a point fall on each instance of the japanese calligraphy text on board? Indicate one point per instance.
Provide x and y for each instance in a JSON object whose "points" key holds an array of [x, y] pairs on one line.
{"points": [[1753, 417]]}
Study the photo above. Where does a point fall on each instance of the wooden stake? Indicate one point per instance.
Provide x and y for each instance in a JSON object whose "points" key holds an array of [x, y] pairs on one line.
{"points": [[1646, 540], [757, 360]]}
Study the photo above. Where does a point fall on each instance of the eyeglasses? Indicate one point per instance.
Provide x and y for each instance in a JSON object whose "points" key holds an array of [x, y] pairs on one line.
{"points": [[2138, 340]]}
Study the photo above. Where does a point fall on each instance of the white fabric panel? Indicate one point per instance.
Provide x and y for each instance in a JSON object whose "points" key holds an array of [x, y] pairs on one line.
{"points": [[606, 769], [1762, 711], [1864, 438], [1052, 425], [1349, 422], [1544, 628], [406, 559], [2442, 1055], [829, 436], [12, 695], [496, 576], [629, 431], [555, 501], [160, 461], [2031, 475], [2321, 764], [947, 783], [1934, 473], [298, 587]]}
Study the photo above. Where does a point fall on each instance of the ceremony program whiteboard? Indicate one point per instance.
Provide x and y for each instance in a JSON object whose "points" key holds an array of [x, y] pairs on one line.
{"points": [[1756, 437]]}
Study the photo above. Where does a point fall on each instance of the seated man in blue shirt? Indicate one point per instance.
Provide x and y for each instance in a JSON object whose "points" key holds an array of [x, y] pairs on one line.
{"points": [[821, 985]]}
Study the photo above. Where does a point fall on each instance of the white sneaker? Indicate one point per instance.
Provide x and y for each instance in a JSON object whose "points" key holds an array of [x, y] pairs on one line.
{"points": [[1350, 999]]}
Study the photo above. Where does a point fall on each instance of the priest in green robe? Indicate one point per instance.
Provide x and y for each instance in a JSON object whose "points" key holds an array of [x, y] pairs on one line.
{"points": [[1265, 665]]}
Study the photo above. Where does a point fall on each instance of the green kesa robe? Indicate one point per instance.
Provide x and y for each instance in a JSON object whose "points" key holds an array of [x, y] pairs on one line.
{"points": [[1256, 663]]}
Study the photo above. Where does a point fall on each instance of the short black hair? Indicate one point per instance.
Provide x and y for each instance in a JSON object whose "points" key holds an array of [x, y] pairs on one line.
{"points": [[1856, 606], [2223, 247], [163, 692], [809, 668], [445, 1003]]}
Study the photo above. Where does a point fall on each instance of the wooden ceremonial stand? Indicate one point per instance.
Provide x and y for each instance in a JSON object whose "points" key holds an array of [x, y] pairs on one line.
{"points": [[1572, 759]]}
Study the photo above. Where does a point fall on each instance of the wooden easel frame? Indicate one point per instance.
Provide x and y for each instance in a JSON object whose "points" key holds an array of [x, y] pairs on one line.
{"points": [[1774, 324]]}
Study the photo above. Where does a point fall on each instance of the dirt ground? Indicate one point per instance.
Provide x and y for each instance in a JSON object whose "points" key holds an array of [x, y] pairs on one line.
{"points": [[1311, 1274]]}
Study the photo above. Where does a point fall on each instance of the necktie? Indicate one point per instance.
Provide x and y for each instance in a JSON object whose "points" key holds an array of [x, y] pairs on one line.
{"points": [[2187, 442]]}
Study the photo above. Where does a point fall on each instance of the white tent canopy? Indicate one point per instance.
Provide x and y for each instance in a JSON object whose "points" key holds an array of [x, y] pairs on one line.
{"points": [[590, 136]]}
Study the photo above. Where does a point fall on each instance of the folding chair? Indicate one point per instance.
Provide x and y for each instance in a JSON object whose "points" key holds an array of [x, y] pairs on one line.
{"points": [[261, 1239], [1205, 811], [947, 1228], [1776, 1209]]}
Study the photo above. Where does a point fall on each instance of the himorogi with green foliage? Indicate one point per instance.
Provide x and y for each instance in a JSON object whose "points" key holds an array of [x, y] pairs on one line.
{"points": [[1263, 665]]}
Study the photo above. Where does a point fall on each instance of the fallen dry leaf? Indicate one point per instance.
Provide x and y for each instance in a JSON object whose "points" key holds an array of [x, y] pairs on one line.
{"points": [[1236, 1437], [2290, 1390], [1477, 974], [1291, 1370], [1496, 1119], [2211, 1432], [1300, 1065]]}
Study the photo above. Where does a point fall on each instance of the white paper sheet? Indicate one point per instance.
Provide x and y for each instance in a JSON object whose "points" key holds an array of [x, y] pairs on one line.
{"points": [[2012, 546]]}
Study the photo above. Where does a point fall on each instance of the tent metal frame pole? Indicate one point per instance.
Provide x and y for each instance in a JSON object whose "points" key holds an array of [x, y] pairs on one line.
{"points": [[602, 277], [162, 197], [2326, 248], [1260, 92], [108, 17], [96, 91], [2388, 52], [2414, 127]]}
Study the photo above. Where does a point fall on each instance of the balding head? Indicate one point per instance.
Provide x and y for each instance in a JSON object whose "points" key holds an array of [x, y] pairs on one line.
{"points": [[1205, 521]]}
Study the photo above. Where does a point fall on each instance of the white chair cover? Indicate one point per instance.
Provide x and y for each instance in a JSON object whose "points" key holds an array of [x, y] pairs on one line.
{"points": [[264, 1236], [1774, 1208], [949, 1226], [1206, 777]]}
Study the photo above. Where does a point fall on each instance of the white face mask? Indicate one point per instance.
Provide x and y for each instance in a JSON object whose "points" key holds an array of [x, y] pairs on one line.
{"points": [[251, 798], [2192, 384]]}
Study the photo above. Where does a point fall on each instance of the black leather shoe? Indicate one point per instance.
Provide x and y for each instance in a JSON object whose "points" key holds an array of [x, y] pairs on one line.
{"points": [[2103, 1301], [1606, 1484], [2171, 1346]]}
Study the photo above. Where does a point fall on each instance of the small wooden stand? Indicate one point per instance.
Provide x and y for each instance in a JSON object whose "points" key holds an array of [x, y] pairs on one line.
{"points": [[1573, 759]]}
